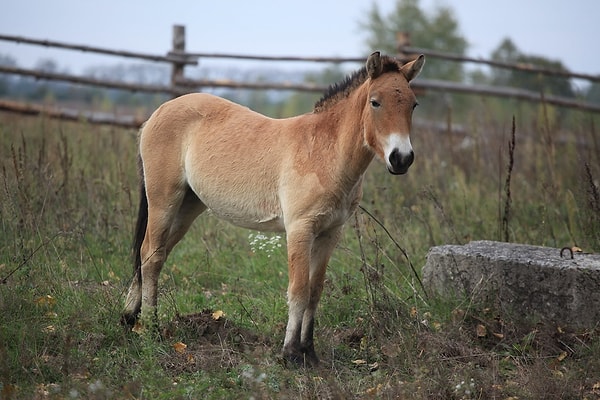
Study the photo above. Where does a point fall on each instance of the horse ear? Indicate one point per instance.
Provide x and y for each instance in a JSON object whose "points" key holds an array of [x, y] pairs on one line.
{"points": [[413, 68], [374, 65]]}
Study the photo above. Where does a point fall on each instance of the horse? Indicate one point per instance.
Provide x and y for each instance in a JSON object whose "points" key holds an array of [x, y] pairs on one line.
{"points": [[300, 175]]}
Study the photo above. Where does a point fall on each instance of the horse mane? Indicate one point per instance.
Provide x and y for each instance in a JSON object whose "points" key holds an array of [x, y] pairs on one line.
{"points": [[342, 89]]}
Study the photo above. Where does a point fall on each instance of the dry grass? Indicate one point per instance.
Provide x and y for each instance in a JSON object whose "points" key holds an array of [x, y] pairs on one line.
{"points": [[68, 196]]}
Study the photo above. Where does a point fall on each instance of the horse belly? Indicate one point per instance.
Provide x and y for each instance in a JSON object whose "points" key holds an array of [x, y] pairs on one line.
{"points": [[254, 220], [230, 164], [247, 216], [242, 206]]}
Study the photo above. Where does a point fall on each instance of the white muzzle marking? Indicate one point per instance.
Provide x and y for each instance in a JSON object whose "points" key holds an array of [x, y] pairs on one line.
{"points": [[398, 142]]}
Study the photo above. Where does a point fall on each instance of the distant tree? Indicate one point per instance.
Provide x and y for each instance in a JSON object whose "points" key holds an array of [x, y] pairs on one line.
{"points": [[593, 93], [437, 30], [47, 65], [7, 61], [299, 103], [507, 51]]}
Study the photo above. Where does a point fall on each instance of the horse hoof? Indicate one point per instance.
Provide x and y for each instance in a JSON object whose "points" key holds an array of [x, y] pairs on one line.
{"points": [[311, 358], [128, 320], [301, 360]]}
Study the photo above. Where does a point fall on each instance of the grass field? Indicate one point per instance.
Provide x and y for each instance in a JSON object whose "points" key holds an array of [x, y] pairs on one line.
{"points": [[68, 202]]}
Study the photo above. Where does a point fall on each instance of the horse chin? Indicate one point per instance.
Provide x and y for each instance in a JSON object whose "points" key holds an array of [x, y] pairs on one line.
{"points": [[400, 171]]}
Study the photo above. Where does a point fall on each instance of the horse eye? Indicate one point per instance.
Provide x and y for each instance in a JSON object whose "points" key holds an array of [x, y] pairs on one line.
{"points": [[375, 104]]}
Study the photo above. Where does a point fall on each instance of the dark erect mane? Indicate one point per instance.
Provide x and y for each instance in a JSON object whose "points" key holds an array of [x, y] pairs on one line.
{"points": [[342, 89]]}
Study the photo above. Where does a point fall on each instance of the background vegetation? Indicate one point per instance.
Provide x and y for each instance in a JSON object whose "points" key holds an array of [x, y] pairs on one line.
{"points": [[69, 195], [68, 199]]}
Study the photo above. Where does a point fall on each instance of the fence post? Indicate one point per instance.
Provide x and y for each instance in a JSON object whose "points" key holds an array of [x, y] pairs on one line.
{"points": [[178, 48], [402, 41]]}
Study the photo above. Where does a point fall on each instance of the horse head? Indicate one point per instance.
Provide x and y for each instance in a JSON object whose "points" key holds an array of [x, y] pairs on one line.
{"points": [[388, 110]]}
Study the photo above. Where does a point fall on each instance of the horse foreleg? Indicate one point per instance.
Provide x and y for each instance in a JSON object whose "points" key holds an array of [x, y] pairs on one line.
{"points": [[322, 248], [299, 242]]}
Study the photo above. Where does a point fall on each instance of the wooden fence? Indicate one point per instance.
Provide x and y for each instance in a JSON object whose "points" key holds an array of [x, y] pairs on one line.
{"points": [[178, 58]]}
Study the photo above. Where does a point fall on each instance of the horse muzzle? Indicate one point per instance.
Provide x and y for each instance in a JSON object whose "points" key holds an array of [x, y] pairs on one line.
{"points": [[398, 162]]}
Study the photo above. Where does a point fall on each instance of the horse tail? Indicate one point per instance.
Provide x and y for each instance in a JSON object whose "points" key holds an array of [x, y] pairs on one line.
{"points": [[141, 224]]}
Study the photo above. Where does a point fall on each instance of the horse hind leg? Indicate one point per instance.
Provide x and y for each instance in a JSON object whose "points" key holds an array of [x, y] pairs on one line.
{"points": [[164, 230], [133, 303], [159, 249], [190, 209]]}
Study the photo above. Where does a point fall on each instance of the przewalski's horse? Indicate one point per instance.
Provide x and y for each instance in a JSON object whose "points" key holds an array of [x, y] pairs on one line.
{"points": [[302, 175]]}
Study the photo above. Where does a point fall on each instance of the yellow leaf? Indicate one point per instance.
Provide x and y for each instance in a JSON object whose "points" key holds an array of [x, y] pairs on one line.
{"points": [[49, 329], [498, 335], [46, 300], [363, 343], [359, 362], [562, 356], [481, 331], [413, 312], [217, 315], [576, 249], [138, 328], [374, 391], [458, 314], [180, 347]]}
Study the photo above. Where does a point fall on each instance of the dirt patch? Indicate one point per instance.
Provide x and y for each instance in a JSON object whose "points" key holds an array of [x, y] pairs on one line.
{"points": [[207, 341], [477, 355]]}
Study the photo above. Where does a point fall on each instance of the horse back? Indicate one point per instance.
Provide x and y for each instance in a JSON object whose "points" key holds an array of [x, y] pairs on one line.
{"points": [[227, 154]]}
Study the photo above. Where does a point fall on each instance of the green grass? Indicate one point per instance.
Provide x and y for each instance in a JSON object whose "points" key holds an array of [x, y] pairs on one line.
{"points": [[69, 197]]}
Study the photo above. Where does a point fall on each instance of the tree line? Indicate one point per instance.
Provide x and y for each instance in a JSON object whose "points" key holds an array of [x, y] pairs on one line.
{"points": [[435, 29]]}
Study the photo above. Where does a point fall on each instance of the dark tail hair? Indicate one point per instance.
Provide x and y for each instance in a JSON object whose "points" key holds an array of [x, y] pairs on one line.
{"points": [[141, 225]]}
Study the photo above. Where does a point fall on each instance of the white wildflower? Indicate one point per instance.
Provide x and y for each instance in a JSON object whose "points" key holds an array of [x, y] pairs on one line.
{"points": [[259, 242]]}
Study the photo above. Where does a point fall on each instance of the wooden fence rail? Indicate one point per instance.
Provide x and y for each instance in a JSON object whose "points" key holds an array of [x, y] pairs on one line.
{"points": [[497, 64], [83, 80], [90, 117], [332, 60], [186, 85], [179, 84], [170, 58]]}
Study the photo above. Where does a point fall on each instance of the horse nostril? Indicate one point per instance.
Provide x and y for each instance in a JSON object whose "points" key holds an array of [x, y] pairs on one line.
{"points": [[394, 157], [399, 160], [399, 163], [410, 158]]}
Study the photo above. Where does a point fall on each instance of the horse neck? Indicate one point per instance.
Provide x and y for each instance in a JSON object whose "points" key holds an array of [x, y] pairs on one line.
{"points": [[346, 120]]}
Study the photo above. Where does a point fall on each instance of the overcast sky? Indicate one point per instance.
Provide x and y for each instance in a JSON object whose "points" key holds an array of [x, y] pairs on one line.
{"points": [[557, 29]]}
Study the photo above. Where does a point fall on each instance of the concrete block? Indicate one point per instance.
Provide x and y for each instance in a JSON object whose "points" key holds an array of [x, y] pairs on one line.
{"points": [[525, 280]]}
